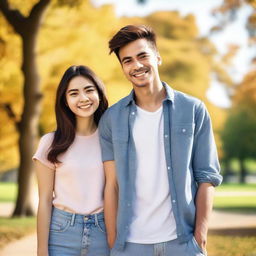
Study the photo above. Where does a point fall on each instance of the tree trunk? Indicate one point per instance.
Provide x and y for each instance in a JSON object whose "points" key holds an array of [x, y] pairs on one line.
{"points": [[28, 127], [28, 28], [242, 171]]}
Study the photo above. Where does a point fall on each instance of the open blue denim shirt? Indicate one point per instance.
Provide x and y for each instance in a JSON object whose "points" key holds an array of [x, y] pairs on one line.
{"points": [[190, 151]]}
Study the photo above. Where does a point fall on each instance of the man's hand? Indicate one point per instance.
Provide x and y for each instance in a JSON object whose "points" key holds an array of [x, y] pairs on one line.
{"points": [[204, 201], [201, 239]]}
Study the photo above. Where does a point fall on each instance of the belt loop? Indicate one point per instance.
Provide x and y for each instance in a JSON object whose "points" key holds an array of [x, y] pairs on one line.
{"points": [[96, 219], [73, 219]]}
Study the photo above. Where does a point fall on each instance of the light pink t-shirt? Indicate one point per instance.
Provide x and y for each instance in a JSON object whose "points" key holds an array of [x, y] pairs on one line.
{"points": [[79, 178]]}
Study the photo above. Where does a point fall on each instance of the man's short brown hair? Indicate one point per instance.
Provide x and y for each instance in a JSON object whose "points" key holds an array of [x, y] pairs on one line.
{"points": [[129, 34]]}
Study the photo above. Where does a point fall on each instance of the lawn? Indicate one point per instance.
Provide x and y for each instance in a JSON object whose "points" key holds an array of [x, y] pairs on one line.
{"points": [[15, 228], [228, 199], [8, 191], [231, 245]]}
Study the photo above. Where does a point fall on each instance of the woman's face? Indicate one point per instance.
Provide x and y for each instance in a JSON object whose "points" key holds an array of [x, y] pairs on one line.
{"points": [[82, 97]]}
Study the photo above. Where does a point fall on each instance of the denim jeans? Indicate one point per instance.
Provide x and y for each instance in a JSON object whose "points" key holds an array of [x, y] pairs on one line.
{"points": [[170, 248], [77, 235]]}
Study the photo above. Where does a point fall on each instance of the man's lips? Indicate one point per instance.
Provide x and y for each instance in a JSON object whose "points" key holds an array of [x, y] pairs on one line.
{"points": [[139, 73]]}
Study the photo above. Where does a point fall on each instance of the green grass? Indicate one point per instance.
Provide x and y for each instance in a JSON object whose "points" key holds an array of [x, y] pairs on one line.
{"points": [[236, 187], [242, 204], [8, 191], [231, 245], [14, 228]]}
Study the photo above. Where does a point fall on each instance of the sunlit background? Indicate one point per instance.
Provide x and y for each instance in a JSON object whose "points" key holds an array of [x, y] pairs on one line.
{"points": [[208, 50]]}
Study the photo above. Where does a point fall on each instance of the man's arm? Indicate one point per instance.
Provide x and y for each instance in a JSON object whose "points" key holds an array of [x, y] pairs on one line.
{"points": [[110, 201], [206, 172], [204, 202]]}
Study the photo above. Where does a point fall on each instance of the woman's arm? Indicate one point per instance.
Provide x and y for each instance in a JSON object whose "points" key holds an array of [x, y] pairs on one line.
{"points": [[110, 201], [45, 177]]}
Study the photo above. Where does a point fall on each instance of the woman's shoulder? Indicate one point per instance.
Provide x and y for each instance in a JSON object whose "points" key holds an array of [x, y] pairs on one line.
{"points": [[47, 138]]}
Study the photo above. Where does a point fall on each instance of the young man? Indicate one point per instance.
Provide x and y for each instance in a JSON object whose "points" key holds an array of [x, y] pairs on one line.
{"points": [[159, 157]]}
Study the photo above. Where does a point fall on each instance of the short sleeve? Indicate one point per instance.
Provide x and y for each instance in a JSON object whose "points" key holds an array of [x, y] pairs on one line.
{"points": [[105, 135], [43, 150]]}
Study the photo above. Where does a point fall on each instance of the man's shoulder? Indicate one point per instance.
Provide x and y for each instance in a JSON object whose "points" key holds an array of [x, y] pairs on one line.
{"points": [[118, 106], [115, 111], [183, 99]]}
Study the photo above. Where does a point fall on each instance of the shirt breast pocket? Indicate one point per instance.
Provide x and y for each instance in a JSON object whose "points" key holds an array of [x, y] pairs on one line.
{"points": [[184, 130]]}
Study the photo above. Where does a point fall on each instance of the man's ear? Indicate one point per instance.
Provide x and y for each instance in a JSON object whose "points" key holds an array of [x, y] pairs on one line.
{"points": [[159, 59]]}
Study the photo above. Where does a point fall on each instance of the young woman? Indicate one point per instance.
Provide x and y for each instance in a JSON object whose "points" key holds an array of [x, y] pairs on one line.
{"points": [[70, 171]]}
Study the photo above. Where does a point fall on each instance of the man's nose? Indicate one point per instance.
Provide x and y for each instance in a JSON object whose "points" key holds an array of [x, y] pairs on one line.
{"points": [[137, 64]]}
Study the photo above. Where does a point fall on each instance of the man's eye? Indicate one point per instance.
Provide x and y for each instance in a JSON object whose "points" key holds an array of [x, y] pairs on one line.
{"points": [[126, 61]]}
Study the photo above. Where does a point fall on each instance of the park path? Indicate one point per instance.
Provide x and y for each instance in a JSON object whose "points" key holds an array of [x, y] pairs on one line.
{"points": [[219, 221]]}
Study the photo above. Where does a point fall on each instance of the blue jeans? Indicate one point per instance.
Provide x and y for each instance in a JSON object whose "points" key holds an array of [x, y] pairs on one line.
{"points": [[170, 248], [75, 234]]}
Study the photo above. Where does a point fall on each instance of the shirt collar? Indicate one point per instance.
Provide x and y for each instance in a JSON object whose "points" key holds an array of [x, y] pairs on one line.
{"points": [[169, 95]]}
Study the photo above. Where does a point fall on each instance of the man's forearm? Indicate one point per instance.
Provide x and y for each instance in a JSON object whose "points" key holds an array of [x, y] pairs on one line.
{"points": [[204, 202]]}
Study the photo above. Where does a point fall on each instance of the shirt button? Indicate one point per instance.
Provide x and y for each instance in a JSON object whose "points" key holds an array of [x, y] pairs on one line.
{"points": [[166, 136], [168, 167], [133, 113], [128, 204], [174, 201], [183, 130], [85, 218]]}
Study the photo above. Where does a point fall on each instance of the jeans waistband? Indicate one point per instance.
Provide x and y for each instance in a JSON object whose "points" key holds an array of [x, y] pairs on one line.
{"points": [[75, 217]]}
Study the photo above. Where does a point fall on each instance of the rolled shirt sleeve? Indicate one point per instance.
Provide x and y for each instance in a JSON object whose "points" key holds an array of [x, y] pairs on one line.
{"points": [[205, 159]]}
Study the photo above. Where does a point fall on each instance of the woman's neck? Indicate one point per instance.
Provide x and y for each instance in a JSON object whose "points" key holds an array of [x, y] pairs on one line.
{"points": [[85, 126]]}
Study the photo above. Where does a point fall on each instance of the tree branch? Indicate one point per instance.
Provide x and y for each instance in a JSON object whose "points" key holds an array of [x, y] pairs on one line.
{"points": [[14, 17], [38, 9], [9, 111]]}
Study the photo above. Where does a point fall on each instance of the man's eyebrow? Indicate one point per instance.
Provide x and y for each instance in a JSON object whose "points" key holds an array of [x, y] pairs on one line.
{"points": [[141, 53]]}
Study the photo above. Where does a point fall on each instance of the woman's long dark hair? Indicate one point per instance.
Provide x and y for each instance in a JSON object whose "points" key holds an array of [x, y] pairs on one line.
{"points": [[65, 118]]}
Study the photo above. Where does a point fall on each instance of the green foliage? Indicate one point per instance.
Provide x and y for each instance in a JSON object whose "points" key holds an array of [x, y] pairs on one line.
{"points": [[238, 135]]}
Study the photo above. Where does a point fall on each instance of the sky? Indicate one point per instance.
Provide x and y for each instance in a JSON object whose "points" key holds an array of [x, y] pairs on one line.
{"points": [[234, 33]]}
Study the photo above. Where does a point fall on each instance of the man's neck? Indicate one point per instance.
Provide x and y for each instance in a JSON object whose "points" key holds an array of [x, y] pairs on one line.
{"points": [[150, 98]]}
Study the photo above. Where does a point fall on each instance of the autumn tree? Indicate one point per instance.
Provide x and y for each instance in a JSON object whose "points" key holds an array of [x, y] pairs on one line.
{"points": [[27, 27], [238, 135]]}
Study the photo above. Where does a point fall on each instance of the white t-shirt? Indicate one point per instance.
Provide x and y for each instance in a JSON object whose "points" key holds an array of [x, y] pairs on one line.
{"points": [[153, 220], [79, 178]]}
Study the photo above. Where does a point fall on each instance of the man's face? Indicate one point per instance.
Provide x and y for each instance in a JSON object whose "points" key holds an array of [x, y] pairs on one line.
{"points": [[140, 62]]}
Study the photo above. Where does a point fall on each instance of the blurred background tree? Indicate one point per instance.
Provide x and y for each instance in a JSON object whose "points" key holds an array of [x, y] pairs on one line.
{"points": [[27, 27], [238, 134]]}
